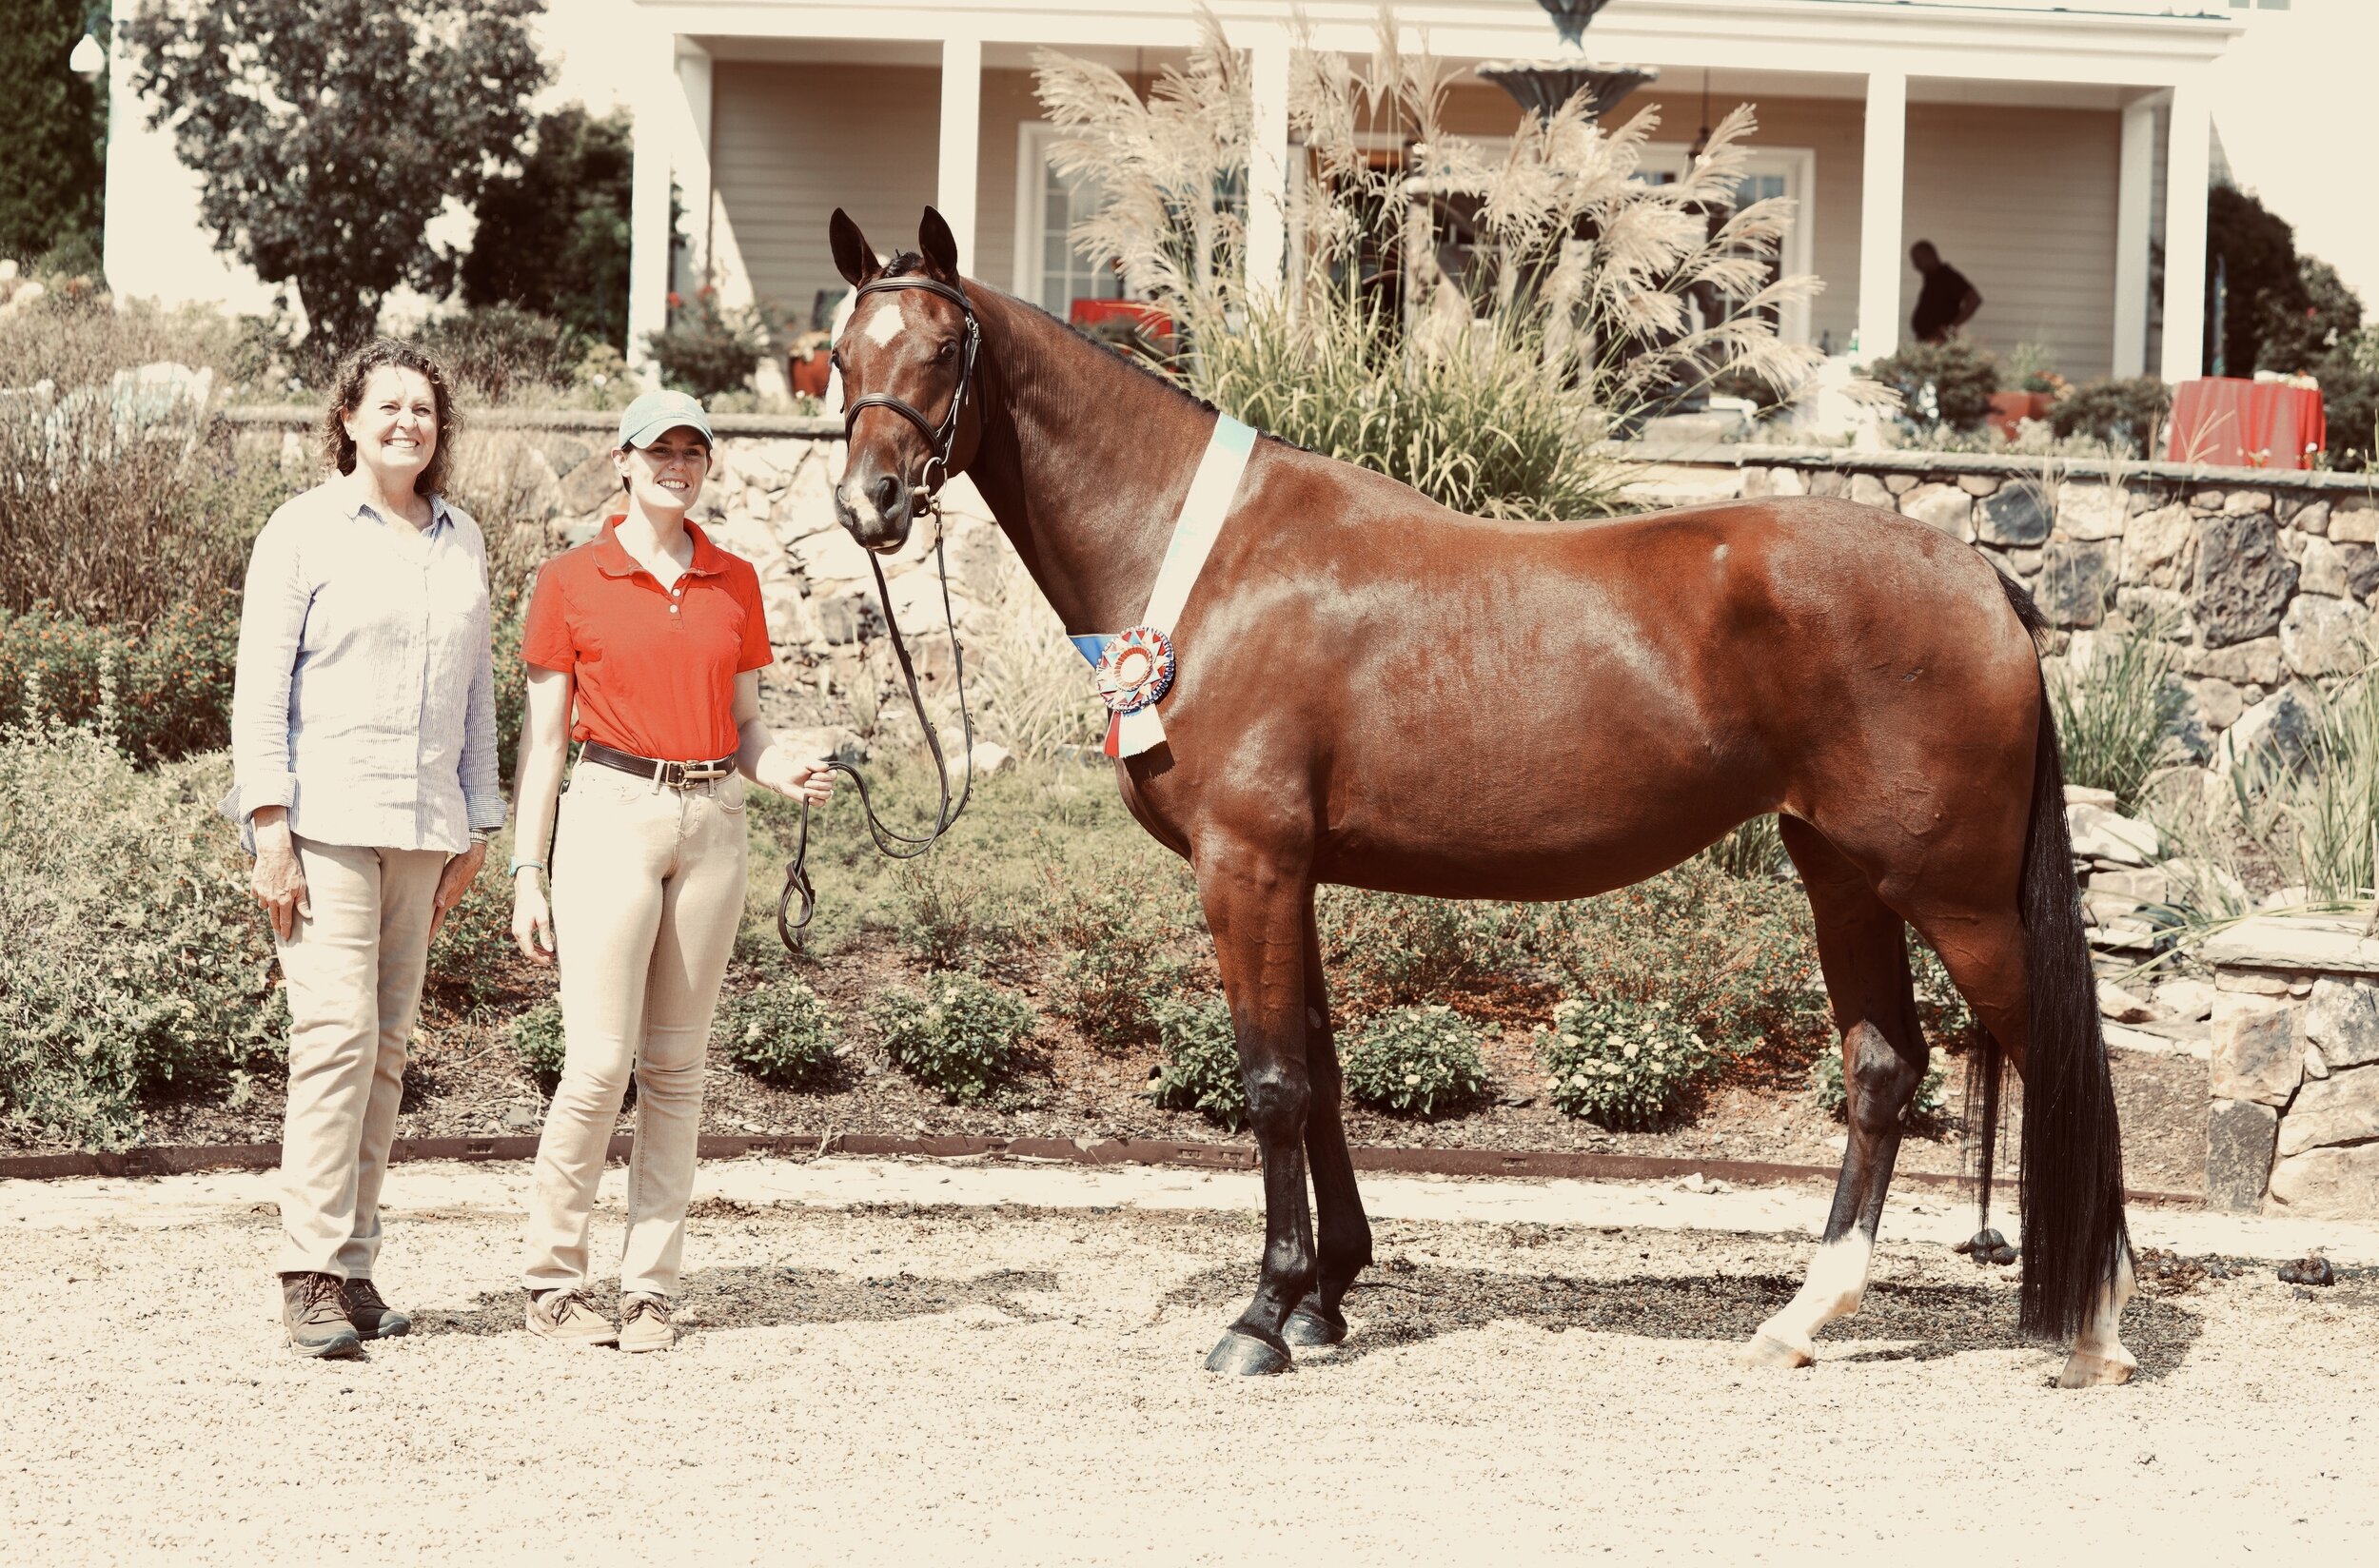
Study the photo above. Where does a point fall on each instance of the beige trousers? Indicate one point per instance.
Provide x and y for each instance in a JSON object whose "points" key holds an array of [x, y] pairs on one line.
{"points": [[353, 974], [648, 891]]}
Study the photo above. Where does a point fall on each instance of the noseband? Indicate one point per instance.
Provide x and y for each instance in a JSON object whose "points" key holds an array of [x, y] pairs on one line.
{"points": [[941, 440]]}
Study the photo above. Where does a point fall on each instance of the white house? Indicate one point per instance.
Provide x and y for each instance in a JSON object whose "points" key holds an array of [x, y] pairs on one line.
{"points": [[2050, 152]]}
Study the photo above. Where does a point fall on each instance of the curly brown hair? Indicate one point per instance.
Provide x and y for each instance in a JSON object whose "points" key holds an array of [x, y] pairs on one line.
{"points": [[339, 447]]}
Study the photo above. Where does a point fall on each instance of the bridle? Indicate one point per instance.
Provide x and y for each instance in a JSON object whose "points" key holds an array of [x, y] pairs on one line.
{"points": [[940, 442]]}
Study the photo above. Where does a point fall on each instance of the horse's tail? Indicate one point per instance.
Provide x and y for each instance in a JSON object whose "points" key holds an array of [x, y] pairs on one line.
{"points": [[2072, 1164]]}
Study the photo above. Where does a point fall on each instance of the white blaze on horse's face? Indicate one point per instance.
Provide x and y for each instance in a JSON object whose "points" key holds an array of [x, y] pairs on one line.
{"points": [[886, 324]]}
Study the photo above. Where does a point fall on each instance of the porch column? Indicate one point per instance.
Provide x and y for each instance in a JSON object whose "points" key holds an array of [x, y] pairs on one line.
{"points": [[962, 114], [2132, 202], [648, 218], [1267, 162], [692, 156], [1879, 214], [2186, 165]]}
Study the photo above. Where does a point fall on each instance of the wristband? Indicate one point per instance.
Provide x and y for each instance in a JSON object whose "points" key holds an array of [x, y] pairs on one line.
{"points": [[519, 865]]}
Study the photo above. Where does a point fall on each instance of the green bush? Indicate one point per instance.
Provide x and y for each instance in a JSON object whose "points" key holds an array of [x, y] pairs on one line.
{"points": [[707, 351], [1416, 1062], [1621, 1064], [1115, 972], [499, 350], [963, 1037], [1385, 950], [1940, 383], [779, 1033], [1753, 849], [537, 1040], [1825, 1088], [1201, 1068], [172, 682], [2125, 412], [2115, 713], [133, 963]]}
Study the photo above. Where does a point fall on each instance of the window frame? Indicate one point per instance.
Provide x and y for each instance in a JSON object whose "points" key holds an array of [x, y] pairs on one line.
{"points": [[1030, 273]]}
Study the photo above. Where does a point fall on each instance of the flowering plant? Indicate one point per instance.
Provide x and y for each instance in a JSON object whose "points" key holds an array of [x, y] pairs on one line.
{"points": [[1416, 1061], [1621, 1064]]}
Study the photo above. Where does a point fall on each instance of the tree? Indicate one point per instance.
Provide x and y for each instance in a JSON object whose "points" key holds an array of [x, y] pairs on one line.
{"points": [[553, 237], [330, 133], [52, 128], [2251, 250]]}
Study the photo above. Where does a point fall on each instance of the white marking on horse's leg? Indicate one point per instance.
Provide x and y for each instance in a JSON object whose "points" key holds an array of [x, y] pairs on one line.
{"points": [[2099, 1355], [1837, 1279], [883, 326]]}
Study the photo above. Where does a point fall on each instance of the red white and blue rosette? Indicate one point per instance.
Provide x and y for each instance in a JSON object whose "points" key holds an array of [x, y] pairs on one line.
{"points": [[1136, 669]]}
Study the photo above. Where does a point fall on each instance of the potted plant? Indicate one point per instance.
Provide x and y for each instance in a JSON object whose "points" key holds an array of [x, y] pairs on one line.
{"points": [[807, 362]]}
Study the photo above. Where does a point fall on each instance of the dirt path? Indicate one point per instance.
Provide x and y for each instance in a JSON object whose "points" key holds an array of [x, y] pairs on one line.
{"points": [[917, 1364]]}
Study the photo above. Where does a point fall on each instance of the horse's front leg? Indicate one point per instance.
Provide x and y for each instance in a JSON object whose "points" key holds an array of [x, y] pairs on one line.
{"points": [[1255, 906], [1343, 1233]]}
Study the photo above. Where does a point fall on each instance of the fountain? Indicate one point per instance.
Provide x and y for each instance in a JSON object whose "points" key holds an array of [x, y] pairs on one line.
{"points": [[1542, 86]]}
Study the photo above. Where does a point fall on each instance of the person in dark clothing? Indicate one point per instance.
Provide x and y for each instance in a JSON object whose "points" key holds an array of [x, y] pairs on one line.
{"points": [[1946, 302]]}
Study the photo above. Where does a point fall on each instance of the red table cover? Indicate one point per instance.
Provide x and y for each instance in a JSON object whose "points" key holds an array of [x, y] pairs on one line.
{"points": [[2235, 424]]}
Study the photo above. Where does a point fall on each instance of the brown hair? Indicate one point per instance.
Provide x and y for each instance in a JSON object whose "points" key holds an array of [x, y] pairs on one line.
{"points": [[339, 447]]}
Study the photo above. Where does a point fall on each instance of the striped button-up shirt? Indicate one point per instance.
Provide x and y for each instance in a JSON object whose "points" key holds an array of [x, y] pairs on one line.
{"points": [[365, 697]]}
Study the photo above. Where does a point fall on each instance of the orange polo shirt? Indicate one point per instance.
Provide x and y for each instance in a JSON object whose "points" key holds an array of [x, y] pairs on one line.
{"points": [[655, 667]]}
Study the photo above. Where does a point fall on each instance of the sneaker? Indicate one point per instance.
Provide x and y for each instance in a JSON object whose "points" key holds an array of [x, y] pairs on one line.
{"points": [[314, 1311], [645, 1323], [565, 1317], [373, 1317]]}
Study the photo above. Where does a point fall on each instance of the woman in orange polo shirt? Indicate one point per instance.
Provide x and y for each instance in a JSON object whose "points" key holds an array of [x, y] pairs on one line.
{"points": [[645, 645]]}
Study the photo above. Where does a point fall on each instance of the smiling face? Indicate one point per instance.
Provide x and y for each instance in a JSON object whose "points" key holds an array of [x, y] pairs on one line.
{"points": [[665, 477], [394, 425]]}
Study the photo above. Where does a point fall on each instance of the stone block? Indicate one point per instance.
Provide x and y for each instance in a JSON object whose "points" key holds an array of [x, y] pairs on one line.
{"points": [[1899, 485], [1867, 490], [2102, 834], [2187, 1000], [1979, 484], [2219, 703], [2015, 515], [2342, 1017], [1828, 482], [1773, 481], [2244, 579], [2283, 723], [2255, 663], [2257, 1052], [2321, 636], [2340, 1109], [2331, 1184], [789, 623], [2240, 502], [2148, 884], [2354, 519], [2152, 539], [2077, 580], [1944, 507], [2252, 982], [2091, 511], [2083, 795], [2239, 1138], [2321, 567], [592, 484], [849, 616], [2311, 518]]}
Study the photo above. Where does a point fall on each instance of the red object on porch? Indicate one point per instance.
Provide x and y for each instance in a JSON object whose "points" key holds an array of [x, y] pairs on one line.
{"points": [[1150, 321], [2235, 423], [808, 372]]}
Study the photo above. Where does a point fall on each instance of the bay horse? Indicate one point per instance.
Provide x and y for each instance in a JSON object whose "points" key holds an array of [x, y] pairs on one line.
{"points": [[1377, 692]]}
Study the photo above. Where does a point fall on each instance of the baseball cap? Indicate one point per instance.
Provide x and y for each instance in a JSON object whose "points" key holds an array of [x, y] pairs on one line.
{"points": [[644, 420]]}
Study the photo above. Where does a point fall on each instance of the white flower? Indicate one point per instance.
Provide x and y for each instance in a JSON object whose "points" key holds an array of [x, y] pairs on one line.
{"points": [[1412, 1079], [1629, 1050]]}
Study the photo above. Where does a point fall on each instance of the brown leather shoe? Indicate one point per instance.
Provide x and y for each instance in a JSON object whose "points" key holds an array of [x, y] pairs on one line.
{"points": [[314, 1311], [374, 1318]]}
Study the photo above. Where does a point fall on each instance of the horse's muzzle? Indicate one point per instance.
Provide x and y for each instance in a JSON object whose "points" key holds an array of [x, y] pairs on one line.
{"points": [[878, 512]]}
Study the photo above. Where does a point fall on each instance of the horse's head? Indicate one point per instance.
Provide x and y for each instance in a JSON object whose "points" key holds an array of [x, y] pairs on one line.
{"points": [[907, 358]]}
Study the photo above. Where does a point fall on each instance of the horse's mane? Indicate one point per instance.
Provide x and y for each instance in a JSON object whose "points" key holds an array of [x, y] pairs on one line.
{"points": [[909, 263]]}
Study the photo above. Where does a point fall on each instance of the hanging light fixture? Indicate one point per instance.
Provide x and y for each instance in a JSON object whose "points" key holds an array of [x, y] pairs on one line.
{"points": [[87, 60]]}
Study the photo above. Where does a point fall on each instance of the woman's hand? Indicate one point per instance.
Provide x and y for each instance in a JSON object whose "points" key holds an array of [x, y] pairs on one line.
{"points": [[278, 881], [780, 771], [532, 920], [454, 882]]}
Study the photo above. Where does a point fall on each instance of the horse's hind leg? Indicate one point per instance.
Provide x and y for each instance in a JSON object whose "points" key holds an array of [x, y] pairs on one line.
{"points": [[1344, 1237], [1862, 948]]}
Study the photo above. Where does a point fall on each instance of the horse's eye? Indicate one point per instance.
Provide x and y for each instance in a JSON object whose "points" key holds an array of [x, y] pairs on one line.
{"points": [[834, 357], [948, 352]]}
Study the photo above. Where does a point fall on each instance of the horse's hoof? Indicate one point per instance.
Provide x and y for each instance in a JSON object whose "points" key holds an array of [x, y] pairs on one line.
{"points": [[1767, 1351], [2085, 1371], [1245, 1356], [1311, 1326]]}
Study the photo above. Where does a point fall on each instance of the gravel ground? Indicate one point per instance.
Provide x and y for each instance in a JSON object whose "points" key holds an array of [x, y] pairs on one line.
{"points": [[1010, 1374]]}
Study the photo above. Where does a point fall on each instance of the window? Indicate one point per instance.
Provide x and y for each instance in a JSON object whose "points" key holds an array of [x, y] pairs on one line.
{"points": [[1048, 270], [1773, 171]]}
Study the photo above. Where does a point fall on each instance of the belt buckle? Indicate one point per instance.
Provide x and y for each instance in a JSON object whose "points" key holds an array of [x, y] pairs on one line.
{"points": [[695, 772]]}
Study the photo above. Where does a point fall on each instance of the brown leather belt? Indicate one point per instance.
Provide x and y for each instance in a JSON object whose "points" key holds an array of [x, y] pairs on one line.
{"points": [[676, 774]]}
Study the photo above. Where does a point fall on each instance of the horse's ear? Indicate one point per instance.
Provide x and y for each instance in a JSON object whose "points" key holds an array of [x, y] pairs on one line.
{"points": [[939, 245], [854, 259]]}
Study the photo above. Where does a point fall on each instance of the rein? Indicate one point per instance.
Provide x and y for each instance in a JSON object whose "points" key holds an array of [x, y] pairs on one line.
{"points": [[940, 441]]}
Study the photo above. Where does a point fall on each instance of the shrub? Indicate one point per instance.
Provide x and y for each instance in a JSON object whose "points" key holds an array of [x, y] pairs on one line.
{"points": [[1623, 1064], [779, 1033], [133, 963], [1940, 383], [537, 1040], [1753, 849], [497, 350], [1201, 1068], [1385, 950], [2123, 411], [172, 683], [1115, 972], [2115, 708], [707, 351], [963, 1037], [1825, 1088], [1415, 1062]]}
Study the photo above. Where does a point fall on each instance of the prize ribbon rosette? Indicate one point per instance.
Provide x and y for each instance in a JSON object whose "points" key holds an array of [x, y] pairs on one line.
{"points": [[1136, 669]]}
